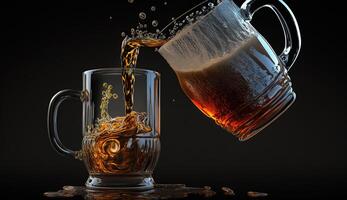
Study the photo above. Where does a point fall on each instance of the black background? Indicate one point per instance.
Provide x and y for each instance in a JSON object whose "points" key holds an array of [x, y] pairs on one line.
{"points": [[48, 45]]}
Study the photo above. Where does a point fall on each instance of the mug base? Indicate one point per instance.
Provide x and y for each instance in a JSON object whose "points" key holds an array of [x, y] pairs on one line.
{"points": [[120, 182]]}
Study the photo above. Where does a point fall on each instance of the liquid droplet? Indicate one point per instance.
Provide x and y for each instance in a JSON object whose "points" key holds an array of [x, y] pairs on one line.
{"points": [[142, 15], [211, 5], [155, 23], [131, 1], [123, 34], [153, 8], [165, 3], [110, 17], [256, 194]]}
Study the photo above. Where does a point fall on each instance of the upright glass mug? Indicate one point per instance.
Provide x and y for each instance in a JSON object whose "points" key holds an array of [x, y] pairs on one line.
{"points": [[229, 71], [120, 151]]}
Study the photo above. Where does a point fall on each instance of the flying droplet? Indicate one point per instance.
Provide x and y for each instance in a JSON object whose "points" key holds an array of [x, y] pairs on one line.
{"points": [[123, 34], [142, 15], [155, 23], [153, 8], [131, 1], [110, 17], [165, 3], [173, 100]]}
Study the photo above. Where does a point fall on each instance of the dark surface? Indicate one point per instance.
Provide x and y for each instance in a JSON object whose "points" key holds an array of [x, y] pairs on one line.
{"points": [[47, 46]]}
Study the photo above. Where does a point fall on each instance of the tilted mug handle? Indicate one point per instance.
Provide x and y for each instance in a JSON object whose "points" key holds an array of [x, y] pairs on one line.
{"points": [[288, 22], [52, 116]]}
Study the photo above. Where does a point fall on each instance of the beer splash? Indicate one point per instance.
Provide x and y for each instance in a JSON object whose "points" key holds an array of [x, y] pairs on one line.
{"points": [[110, 147], [129, 53], [142, 37], [160, 191]]}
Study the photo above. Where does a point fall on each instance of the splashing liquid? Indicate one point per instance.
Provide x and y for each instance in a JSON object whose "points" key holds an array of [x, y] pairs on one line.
{"points": [[111, 146], [129, 54]]}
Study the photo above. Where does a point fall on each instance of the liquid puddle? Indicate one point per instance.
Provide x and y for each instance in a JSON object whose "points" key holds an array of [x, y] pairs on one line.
{"points": [[160, 191]]}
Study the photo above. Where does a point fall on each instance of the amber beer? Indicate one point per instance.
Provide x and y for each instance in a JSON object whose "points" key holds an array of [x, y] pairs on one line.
{"points": [[130, 51], [241, 91]]}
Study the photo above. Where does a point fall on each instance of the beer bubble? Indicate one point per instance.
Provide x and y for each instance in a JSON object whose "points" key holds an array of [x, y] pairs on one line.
{"points": [[211, 5], [155, 23], [225, 25], [162, 36], [142, 15], [131, 1], [153, 8]]}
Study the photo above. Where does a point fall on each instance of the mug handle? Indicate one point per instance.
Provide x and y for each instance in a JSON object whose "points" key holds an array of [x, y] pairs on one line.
{"points": [[288, 22], [52, 116]]}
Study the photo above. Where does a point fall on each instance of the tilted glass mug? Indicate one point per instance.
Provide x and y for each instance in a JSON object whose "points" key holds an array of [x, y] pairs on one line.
{"points": [[119, 151], [230, 72]]}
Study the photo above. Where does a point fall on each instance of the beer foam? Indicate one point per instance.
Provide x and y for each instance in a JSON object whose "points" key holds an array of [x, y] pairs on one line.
{"points": [[213, 38]]}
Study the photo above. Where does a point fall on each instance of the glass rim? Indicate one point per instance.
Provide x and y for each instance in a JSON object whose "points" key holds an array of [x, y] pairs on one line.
{"points": [[119, 70]]}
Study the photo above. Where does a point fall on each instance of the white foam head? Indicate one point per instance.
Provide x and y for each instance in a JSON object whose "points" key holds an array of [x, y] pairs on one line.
{"points": [[208, 40]]}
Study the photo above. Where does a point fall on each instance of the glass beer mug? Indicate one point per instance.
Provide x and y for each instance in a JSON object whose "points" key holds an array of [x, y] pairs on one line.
{"points": [[120, 151], [230, 72]]}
